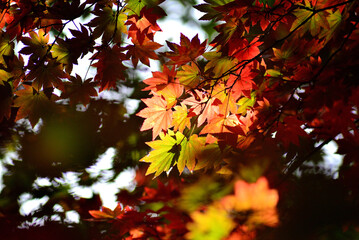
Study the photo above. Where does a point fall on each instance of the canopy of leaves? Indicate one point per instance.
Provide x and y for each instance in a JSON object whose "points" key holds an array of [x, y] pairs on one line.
{"points": [[239, 123]]}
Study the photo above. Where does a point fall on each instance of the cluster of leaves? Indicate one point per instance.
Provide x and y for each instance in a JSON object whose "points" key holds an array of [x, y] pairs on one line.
{"points": [[247, 109], [166, 213]]}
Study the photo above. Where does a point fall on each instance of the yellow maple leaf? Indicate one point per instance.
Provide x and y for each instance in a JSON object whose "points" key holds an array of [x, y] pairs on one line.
{"points": [[180, 118]]}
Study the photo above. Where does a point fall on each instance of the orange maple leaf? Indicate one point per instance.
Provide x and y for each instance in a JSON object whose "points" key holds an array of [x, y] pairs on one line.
{"points": [[160, 79], [157, 115], [256, 197]]}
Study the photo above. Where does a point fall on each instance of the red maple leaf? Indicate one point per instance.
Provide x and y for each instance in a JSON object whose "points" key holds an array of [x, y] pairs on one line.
{"points": [[142, 51], [144, 26], [79, 91], [109, 67], [187, 50], [289, 131]]}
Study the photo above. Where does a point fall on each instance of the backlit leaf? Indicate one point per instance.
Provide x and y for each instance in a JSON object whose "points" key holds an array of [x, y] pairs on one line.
{"points": [[158, 116], [108, 25], [33, 104], [164, 152]]}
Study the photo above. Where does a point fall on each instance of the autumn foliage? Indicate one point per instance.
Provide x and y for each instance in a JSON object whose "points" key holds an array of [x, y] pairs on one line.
{"points": [[228, 139]]}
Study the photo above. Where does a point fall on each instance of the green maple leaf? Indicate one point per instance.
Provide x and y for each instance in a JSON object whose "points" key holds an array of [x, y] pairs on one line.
{"points": [[334, 20], [219, 65], [164, 152], [62, 53], [136, 5], [35, 45], [209, 8], [310, 21], [6, 47], [189, 75], [190, 148], [245, 103]]}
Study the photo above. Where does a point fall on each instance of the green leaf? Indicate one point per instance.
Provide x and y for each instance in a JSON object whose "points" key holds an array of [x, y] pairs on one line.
{"points": [[164, 152], [6, 47], [136, 6], [189, 150], [246, 103], [314, 23], [189, 75], [219, 64], [208, 8], [213, 224]]}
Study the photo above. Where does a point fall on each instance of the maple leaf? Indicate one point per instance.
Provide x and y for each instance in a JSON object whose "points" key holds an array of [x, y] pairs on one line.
{"points": [[162, 157], [108, 25], [160, 79], [212, 224], [190, 149], [220, 124], [243, 50], [205, 108], [79, 91], [210, 156], [241, 83], [137, 5], [33, 104], [219, 65], [144, 26], [309, 21], [256, 197], [231, 31], [106, 213], [334, 21], [189, 76], [48, 24], [81, 43], [187, 50], [6, 47], [157, 115], [109, 67], [171, 92], [14, 72], [68, 10], [36, 45], [62, 53], [244, 103], [181, 118], [47, 76], [21, 19], [209, 8], [227, 98], [5, 16], [289, 131], [142, 51]]}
